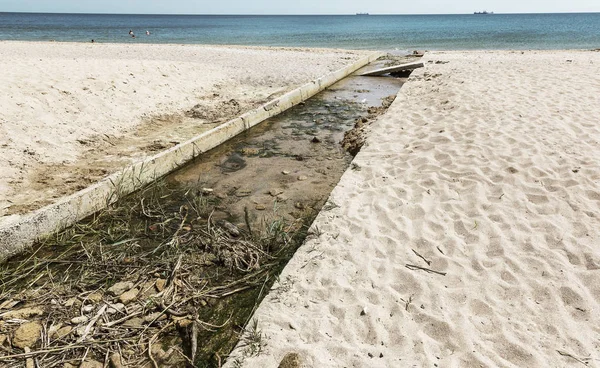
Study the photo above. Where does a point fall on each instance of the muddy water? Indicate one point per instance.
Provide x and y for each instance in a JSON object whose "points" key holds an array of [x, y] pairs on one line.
{"points": [[289, 164]]}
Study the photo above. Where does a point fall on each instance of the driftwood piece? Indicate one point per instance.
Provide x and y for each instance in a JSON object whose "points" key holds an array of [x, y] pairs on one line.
{"points": [[393, 69]]}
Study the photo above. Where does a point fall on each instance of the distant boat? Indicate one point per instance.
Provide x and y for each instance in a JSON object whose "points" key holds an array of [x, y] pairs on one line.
{"points": [[362, 13], [484, 12]]}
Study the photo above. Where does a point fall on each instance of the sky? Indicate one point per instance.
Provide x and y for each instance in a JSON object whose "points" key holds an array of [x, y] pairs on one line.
{"points": [[298, 7]]}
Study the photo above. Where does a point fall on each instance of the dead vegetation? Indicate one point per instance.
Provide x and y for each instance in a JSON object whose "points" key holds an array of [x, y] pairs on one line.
{"points": [[150, 282], [355, 138]]}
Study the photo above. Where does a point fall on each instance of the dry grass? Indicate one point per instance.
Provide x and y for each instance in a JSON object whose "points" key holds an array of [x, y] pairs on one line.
{"points": [[181, 263]]}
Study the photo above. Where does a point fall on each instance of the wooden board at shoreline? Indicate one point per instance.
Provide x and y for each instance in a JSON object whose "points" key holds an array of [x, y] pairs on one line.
{"points": [[393, 69]]}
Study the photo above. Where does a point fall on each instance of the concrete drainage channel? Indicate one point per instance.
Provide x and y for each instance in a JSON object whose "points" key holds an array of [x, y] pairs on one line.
{"points": [[170, 275]]}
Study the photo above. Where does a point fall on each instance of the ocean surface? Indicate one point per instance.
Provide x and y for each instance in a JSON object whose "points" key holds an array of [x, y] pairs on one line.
{"points": [[381, 32]]}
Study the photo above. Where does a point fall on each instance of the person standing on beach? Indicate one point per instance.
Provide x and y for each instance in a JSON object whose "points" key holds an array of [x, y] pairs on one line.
{"points": [[147, 33]]}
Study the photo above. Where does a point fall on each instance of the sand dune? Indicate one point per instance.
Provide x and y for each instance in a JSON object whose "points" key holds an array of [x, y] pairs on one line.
{"points": [[73, 113], [486, 170]]}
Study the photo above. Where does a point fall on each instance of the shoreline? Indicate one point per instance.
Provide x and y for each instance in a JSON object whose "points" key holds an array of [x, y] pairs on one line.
{"points": [[300, 48]]}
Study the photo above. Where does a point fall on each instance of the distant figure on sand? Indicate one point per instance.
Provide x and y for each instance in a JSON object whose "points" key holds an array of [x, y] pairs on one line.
{"points": [[130, 32], [147, 33]]}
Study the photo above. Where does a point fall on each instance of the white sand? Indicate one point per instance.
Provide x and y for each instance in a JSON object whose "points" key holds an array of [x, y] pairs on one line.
{"points": [[73, 113], [489, 167]]}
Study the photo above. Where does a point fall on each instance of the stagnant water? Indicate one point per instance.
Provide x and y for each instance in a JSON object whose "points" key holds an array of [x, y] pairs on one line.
{"points": [[197, 251]]}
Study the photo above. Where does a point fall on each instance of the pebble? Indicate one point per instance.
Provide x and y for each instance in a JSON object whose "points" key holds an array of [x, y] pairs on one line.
{"points": [[27, 335], [285, 172], [62, 332], [160, 284], [207, 190], [134, 323], [95, 297], [24, 313], [114, 308], [155, 316], [128, 296], [291, 360], [88, 308], [115, 360], [260, 207], [78, 320], [275, 192], [302, 178], [71, 302], [120, 287]]}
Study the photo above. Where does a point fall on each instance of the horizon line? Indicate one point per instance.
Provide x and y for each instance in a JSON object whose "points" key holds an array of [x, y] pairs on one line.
{"points": [[290, 14]]}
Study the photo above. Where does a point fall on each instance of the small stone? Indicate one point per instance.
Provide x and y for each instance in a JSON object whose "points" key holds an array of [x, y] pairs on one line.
{"points": [[79, 320], [3, 339], [221, 195], [315, 140], [275, 192], [27, 335], [95, 297], [120, 287], [207, 190], [63, 332], [115, 360], [52, 330], [80, 330], [23, 313], [292, 326], [363, 312], [91, 364], [134, 323], [128, 296], [114, 308], [88, 308], [299, 205], [158, 316], [302, 178], [71, 302], [69, 365], [291, 360], [260, 207], [285, 172], [160, 284]]}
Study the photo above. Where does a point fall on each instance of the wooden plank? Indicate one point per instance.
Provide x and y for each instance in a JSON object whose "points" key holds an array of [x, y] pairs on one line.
{"points": [[393, 69]]}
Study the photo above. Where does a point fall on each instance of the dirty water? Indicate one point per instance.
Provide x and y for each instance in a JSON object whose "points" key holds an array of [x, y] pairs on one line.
{"points": [[193, 254]]}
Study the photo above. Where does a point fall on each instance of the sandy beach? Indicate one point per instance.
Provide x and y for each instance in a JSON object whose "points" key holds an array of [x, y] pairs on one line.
{"points": [[465, 234], [74, 113]]}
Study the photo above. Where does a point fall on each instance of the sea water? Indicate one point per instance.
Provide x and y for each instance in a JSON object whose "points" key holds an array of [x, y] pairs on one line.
{"points": [[382, 32]]}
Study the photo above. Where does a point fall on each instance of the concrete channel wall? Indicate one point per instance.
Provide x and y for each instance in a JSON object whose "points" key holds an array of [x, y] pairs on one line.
{"points": [[18, 235]]}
